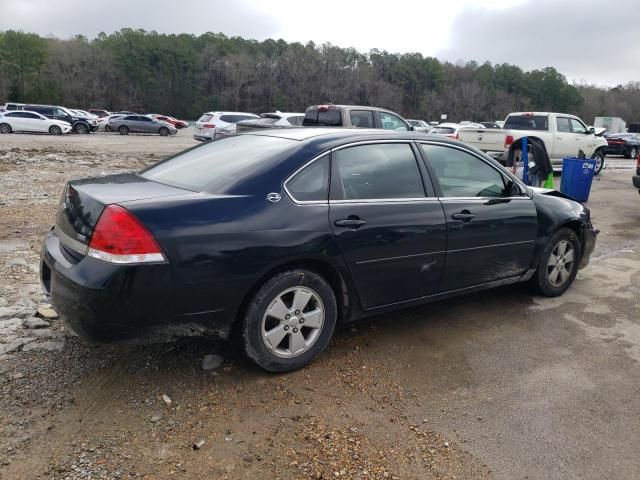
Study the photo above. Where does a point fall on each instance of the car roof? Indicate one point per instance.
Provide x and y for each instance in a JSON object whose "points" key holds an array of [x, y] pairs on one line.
{"points": [[353, 107], [337, 134]]}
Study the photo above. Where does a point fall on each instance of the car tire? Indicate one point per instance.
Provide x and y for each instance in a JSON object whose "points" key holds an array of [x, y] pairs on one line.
{"points": [[271, 317], [81, 129], [123, 130], [633, 153], [553, 278], [107, 128], [164, 131], [55, 130], [599, 158], [5, 128]]}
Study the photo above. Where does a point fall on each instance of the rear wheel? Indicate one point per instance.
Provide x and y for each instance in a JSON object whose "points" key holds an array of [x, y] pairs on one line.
{"points": [[5, 128], [599, 158], [81, 128], [55, 130], [164, 131], [289, 321], [558, 264], [123, 129]]}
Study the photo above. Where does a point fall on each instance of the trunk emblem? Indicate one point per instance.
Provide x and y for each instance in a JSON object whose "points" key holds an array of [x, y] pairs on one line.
{"points": [[274, 197]]}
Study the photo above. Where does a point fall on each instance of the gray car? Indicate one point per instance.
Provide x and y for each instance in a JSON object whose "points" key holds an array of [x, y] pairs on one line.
{"points": [[140, 124]]}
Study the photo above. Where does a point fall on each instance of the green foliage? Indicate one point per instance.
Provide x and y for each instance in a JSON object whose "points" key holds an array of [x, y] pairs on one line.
{"points": [[185, 75]]}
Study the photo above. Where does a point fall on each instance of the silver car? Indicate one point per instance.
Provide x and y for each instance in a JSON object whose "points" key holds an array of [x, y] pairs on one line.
{"points": [[140, 124]]}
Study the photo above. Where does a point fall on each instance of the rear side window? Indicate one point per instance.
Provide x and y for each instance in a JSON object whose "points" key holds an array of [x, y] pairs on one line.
{"points": [[312, 183], [527, 122], [362, 118], [218, 166], [228, 118], [296, 120], [205, 118], [381, 171], [130, 118], [239, 118]]}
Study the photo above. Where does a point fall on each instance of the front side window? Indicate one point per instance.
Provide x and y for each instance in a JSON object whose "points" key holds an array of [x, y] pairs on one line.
{"points": [[31, 115], [563, 125], [312, 183], [392, 122], [461, 174], [380, 171], [577, 126], [362, 118], [296, 120]]}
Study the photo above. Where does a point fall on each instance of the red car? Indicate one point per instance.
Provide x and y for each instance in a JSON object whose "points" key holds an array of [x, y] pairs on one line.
{"points": [[172, 121]]}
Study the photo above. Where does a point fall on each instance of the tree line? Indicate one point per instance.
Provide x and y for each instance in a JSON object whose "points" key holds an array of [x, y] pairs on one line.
{"points": [[185, 75]]}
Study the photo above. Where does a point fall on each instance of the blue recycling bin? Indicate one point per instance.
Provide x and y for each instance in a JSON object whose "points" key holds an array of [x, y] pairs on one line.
{"points": [[577, 176]]}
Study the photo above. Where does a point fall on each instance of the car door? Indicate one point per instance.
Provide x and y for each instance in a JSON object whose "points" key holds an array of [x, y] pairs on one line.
{"points": [[391, 233], [147, 125], [585, 141], [490, 234], [34, 122], [565, 142]]}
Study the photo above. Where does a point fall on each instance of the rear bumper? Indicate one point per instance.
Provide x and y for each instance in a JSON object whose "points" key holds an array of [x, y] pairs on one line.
{"points": [[115, 303], [636, 181], [202, 138]]}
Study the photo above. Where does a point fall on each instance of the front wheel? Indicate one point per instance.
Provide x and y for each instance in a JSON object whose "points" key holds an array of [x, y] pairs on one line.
{"points": [[599, 158], [289, 321], [5, 128], [107, 128], [123, 129], [82, 129], [55, 130], [558, 264]]}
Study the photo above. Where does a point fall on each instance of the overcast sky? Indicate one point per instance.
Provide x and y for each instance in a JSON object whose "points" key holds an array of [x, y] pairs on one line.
{"points": [[591, 41]]}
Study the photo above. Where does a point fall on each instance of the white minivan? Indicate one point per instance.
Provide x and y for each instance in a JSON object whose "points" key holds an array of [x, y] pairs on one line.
{"points": [[218, 124]]}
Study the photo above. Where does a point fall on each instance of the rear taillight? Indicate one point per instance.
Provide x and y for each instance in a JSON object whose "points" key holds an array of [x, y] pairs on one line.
{"points": [[119, 237], [508, 141], [453, 135], [209, 125]]}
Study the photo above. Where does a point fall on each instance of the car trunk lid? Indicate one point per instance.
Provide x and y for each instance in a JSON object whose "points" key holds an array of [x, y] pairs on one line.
{"points": [[83, 201]]}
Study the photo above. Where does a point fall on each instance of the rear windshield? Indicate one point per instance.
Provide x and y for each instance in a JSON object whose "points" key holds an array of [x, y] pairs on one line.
{"points": [[217, 166], [205, 118], [527, 122], [315, 117], [442, 130]]}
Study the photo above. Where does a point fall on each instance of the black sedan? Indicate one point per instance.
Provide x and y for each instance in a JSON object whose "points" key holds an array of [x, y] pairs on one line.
{"points": [[276, 236], [627, 144]]}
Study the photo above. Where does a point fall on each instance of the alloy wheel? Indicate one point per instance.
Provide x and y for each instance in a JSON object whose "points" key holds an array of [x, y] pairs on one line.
{"points": [[561, 263], [293, 322]]}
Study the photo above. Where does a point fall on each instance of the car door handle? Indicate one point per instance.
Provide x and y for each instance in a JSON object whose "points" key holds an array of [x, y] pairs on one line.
{"points": [[350, 222], [464, 216]]}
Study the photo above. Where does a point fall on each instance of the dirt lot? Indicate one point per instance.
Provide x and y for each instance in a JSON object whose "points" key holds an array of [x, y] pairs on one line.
{"points": [[501, 384]]}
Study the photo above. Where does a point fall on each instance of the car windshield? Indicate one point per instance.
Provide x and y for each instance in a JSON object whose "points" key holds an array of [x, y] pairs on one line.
{"points": [[217, 166]]}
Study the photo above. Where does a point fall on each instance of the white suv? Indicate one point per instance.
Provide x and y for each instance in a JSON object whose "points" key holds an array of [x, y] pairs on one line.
{"points": [[217, 124]]}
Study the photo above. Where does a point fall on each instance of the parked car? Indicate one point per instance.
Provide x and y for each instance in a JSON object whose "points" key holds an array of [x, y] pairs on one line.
{"points": [[13, 106], [79, 123], [563, 135], [171, 121], [103, 122], [271, 120], [126, 124], [99, 113], [219, 124], [249, 233], [352, 116], [449, 129], [25, 121], [627, 144], [419, 125]]}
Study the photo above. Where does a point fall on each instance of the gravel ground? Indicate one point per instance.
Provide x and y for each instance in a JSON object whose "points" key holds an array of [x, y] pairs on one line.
{"points": [[495, 385]]}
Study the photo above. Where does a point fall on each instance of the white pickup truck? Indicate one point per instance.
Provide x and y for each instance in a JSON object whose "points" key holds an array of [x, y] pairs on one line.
{"points": [[563, 135]]}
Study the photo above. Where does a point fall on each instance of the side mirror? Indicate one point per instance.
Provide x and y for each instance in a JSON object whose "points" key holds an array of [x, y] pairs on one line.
{"points": [[512, 189], [591, 130]]}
